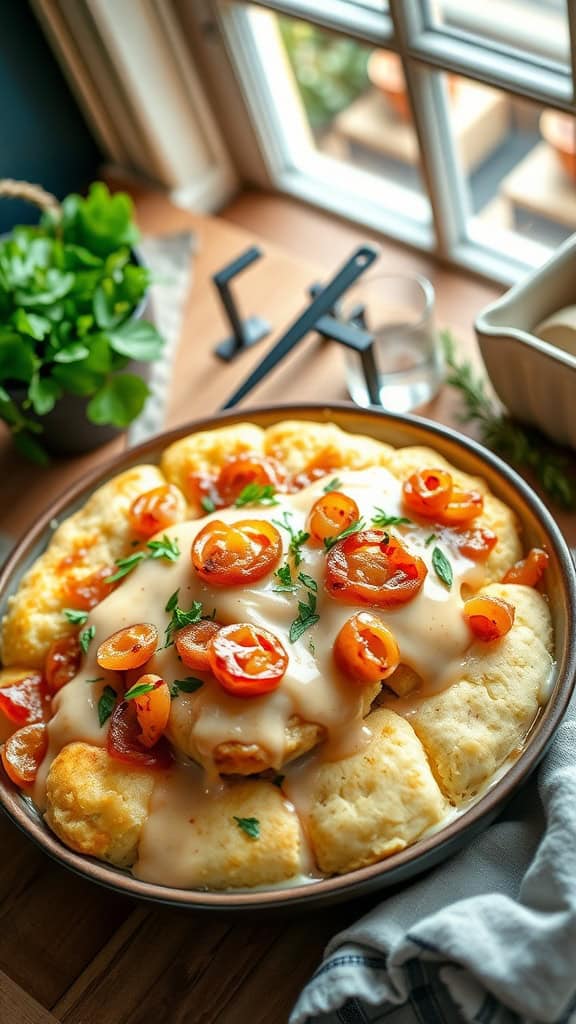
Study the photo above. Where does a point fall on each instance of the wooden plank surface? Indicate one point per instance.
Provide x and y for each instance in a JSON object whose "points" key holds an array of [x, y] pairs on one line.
{"points": [[76, 954]]}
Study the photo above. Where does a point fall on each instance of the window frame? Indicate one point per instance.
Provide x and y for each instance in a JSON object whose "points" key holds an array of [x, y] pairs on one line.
{"points": [[407, 29]]}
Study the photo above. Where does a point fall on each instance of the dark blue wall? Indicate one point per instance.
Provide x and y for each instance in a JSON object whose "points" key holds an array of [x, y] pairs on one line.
{"points": [[43, 135]]}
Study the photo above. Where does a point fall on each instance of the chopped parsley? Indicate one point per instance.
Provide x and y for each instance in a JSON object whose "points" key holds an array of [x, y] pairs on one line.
{"points": [[354, 527], [188, 685], [181, 618], [442, 567], [172, 601], [166, 548], [256, 494], [307, 617], [308, 581], [380, 518], [138, 690], [251, 826], [333, 485], [97, 679], [106, 704], [76, 617], [297, 538], [126, 565], [430, 539], [207, 504], [85, 637], [285, 583]]}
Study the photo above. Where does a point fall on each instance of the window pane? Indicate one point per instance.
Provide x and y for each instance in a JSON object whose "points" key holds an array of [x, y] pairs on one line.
{"points": [[535, 27], [342, 107], [518, 162]]}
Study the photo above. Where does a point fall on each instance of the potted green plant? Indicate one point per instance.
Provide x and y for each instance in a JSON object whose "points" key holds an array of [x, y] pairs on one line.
{"points": [[74, 344]]}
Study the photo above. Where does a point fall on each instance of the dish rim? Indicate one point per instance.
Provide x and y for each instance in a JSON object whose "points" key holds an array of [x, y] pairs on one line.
{"points": [[395, 868]]}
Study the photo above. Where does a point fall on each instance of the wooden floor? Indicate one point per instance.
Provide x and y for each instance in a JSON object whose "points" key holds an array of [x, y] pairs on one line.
{"points": [[74, 954]]}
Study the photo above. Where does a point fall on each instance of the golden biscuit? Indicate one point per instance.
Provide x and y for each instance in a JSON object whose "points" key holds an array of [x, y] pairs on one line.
{"points": [[300, 445], [90, 540], [470, 729], [374, 803], [97, 805]]}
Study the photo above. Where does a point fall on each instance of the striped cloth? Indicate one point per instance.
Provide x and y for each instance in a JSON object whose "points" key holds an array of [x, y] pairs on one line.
{"points": [[488, 937]]}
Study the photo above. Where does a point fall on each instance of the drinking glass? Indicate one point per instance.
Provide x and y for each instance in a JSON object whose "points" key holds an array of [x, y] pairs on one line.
{"points": [[398, 311]]}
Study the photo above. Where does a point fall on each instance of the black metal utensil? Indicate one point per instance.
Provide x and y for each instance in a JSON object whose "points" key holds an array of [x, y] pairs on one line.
{"points": [[361, 259]]}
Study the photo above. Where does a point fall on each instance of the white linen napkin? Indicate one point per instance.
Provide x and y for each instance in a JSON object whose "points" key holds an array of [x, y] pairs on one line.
{"points": [[489, 937]]}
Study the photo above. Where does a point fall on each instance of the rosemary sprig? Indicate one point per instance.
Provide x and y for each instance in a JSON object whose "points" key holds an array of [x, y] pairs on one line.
{"points": [[523, 446]]}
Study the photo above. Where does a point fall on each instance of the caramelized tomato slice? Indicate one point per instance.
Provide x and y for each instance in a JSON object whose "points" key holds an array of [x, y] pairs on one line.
{"points": [[124, 743], [462, 508], [200, 488], [227, 554], [152, 709], [62, 661], [529, 570], [87, 592], [427, 492], [23, 753], [476, 543], [489, 618], [331, 514], [246, 660], [130, 647], [192, 643], [241, 470], [156, 510], [366, 649], [326, 462], [24, 701], [374, 568]]}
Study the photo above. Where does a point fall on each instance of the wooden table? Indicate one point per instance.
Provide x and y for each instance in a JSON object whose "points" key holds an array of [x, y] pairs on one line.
{"points": [[71, 953]]}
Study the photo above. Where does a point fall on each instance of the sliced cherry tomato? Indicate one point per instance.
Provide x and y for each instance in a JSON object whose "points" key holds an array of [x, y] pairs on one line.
{"points": [[476, 543], [62, 661], [226, 554], [489, 618], [23, 753], [152, 709], [201, 490], [366, 649], [529, 570], [124, 743], [87, 592], [331, 514], [156, 510], [427, 492], [326, 462], [246, 660], [192, 643], [24, 701], [130, 647], [462, 508], [241, 470], [374, 568]]}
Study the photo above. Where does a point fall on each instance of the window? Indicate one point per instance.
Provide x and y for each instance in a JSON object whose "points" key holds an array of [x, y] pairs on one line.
{"points": [[444, 123]]}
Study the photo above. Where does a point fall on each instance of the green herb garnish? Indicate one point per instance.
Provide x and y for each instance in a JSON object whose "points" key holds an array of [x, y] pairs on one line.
{"points": [[172, 601], [432, 537], [297, 538], [333, 485], [166, 548], [138, 690], [523, 446], [188, 685], [354, 527], [442, 567], [307, 617], [256, 494], [97, 679], [251, 826], [126, 565], [106, 704], [76, 617], [85, 637], [308, 581], [207, 504], [380, 518], [181, 618], [285, 583]]}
